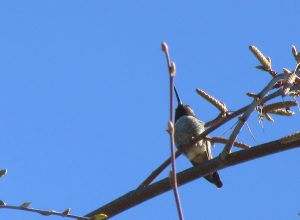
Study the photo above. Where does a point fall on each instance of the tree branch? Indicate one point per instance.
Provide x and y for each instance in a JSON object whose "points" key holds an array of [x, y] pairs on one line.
{"points": [[140, 195]]}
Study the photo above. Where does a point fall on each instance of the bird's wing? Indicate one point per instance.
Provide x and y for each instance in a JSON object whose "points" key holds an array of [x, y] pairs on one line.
{"points": [[206, 143], [208, 149]]}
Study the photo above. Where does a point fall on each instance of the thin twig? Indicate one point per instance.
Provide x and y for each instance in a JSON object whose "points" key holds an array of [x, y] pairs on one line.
{"points": [[224, 141], [173, 177], [44, 212], [215, 120], [252, 95]]}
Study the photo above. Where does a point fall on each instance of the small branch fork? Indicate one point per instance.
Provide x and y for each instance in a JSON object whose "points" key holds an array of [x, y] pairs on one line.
{"points": [[173, 177], [246, 115]]}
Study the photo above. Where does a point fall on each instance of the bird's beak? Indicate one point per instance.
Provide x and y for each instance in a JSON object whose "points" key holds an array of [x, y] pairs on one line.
{"points": [[177, 97]]}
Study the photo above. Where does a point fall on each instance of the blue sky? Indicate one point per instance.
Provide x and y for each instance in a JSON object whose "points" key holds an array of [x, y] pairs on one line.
{"points": [[84, 103]]}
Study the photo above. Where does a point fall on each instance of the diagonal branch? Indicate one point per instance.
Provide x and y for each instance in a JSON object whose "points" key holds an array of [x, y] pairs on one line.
{"points": [[246, 115], [140, 195]]}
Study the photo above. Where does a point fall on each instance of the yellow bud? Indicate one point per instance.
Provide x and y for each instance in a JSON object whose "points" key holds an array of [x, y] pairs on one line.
{"points": [[100, 216]]}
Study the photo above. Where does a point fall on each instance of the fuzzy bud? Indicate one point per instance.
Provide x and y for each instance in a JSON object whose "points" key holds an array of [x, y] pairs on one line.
{"points": [[172, 69], [26, 205], [3, 172], [66, 212], [164, 47], [266, 64], [100, 216]]}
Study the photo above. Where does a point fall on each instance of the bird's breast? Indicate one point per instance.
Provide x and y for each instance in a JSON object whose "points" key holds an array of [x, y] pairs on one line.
{"points": [[186, 129]]}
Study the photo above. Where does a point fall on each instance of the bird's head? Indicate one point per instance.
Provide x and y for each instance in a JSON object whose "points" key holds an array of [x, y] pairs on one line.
{"points": [[182, 110]]}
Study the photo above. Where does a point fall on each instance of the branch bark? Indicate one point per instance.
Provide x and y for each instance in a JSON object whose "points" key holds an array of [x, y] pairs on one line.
{"points": [[140, 195]]}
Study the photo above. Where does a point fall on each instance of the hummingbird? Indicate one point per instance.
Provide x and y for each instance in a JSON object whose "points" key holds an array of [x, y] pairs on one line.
{"points": [[188, 127]]}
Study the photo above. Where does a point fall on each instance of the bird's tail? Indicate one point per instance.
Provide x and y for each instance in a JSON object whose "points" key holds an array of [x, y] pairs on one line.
{"points": [[215, 179]]}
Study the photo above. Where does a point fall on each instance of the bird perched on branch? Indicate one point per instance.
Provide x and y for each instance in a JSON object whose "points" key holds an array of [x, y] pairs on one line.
{"points": [[188, 127]]}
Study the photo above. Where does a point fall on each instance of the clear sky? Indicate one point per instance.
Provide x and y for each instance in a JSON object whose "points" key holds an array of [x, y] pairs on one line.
{"points": [[84, 103]]}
